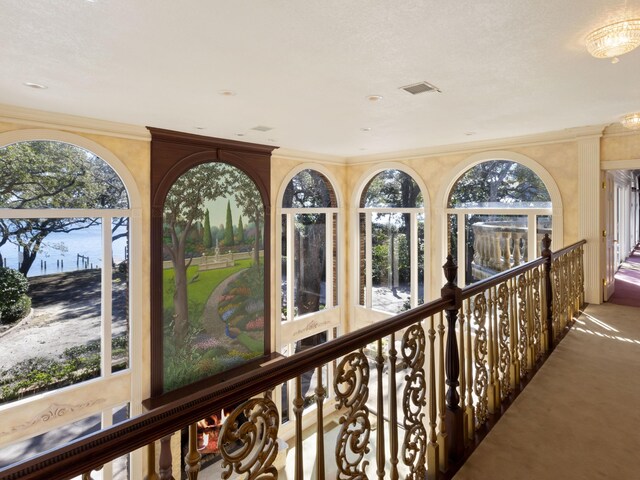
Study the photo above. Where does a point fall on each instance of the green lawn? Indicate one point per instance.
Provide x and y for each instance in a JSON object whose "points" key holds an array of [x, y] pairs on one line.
{"points": [[200, 290]]}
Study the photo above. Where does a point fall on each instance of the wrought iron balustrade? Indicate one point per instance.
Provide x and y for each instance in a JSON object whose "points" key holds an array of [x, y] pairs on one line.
{"points": [[444, 372]]}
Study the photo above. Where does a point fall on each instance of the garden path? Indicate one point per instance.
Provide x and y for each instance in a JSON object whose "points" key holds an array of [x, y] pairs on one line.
{"points": [[211, 321], [66, 313]]}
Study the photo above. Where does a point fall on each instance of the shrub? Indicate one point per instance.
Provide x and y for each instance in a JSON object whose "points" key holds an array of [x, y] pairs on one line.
{"points": [[14, 303]]}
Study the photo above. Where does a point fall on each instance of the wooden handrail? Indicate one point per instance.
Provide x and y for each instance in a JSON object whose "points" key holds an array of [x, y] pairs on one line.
{"points": [[478, 287], [94, 450], [565, 250]]}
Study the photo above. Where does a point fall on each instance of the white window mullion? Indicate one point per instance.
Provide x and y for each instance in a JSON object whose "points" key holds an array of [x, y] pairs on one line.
{"points": [[291, 258], [369, 261], [107, 421], [413, 231], [106, 300], [328, 256], [62, 213], [532, 237], [462, 251]]}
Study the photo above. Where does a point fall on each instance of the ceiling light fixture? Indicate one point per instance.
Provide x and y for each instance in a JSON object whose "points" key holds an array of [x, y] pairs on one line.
{"points": [[38, 86], [374, 98], [615, 39], [631, 121], [262, 128], [366, 129], [227, 93]]}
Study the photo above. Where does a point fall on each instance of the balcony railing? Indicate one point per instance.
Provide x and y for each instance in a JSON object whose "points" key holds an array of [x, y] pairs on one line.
{"points": [[451, 367]]}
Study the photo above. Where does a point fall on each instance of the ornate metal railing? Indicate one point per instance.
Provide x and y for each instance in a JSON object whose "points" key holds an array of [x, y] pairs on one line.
{"points": [[460, 360]]}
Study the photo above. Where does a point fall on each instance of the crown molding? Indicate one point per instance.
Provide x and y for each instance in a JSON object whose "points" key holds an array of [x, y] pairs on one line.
{"points": [[559, 136], [630, 164], [60, 121], [289, 154], [617, 130]]}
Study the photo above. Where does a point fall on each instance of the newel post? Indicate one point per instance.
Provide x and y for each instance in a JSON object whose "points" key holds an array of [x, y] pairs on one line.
{"points": [[454, 415], [546, 254]]}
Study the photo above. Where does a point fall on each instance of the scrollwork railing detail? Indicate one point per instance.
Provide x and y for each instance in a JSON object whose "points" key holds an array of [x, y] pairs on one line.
{"points": [[537, 314], [480, 358], [258, 439], [556, 307], [523, 322], [504, 355], [414, 399], [352, 391]]}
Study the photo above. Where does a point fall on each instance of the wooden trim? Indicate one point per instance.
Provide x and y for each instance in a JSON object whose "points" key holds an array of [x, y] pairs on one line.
{"points": [[94, 450], [482, 285], [568, 249], [97, 449], [173, 154]]}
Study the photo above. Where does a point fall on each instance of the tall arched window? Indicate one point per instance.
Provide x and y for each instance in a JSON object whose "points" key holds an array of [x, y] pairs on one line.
{"points": [[391, 223], [498, 212], [309, 272], [64, 234]]}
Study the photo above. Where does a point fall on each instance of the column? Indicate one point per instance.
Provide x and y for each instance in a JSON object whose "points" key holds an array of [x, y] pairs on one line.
{"points": [[589, 225]]}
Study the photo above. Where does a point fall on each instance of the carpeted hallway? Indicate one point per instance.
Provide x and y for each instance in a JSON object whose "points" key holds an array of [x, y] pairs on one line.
{"points": [[579, 418], [627, 285]]}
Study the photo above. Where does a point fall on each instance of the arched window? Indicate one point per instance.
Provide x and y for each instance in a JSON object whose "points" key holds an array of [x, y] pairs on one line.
{"points": [[498, 211], [309, 271], [64, 233], [391, 222], [309, 249]]}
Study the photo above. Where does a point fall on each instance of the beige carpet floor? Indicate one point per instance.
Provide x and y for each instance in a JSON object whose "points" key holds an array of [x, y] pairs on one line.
{"points": [[579, 418]]}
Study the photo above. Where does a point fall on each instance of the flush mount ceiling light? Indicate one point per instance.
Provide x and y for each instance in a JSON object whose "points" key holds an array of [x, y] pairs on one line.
{"points": [[631, 121], [38, 86], [615, 39], [374, 98], [227, 93]]}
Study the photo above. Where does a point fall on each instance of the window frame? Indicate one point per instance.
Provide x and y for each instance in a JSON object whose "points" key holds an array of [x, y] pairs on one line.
{"points": [[365, 315], [331, 318], [449, 182], [44, 412]]}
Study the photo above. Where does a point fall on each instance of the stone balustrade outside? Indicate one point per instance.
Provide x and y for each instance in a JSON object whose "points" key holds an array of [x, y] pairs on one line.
{"points": [[499, 246]]}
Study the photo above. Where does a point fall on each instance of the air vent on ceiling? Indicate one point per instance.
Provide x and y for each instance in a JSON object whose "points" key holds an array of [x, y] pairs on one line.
{"points": [[421, 87], [262, 128]]}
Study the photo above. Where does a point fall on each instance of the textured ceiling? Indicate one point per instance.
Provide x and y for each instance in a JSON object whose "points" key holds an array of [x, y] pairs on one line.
{"points": [[505, 68]]}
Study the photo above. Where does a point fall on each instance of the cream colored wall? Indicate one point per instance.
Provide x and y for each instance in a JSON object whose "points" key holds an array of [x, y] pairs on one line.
{"points": [[135, 155], [621, 147]]}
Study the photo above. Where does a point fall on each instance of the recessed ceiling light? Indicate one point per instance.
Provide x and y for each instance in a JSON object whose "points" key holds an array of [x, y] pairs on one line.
{"points": [[468, 134], [39, 86], [227, 93], [374, 98], [240, 134], [262, 128], [366, 129]]}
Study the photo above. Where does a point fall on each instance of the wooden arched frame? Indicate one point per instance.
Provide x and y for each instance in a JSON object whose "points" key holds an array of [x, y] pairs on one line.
{"points": [[172, 155]]}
